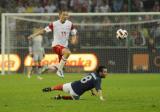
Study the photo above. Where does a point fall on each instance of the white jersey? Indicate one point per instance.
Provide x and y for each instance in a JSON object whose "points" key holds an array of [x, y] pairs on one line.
{"points": [[37, 46], [61, 32]]}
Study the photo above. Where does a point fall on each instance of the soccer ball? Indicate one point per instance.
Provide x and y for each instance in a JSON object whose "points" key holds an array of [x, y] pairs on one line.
{"points": [[121, 34]]}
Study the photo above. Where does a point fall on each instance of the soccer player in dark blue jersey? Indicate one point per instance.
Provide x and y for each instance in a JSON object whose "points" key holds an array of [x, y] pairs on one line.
{"points": [[92, 82]]}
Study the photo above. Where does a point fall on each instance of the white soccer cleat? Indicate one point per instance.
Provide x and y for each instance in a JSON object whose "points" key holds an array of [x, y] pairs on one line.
{"points": [[28, 76], [44, 69], [60, 73], [39, 77]]}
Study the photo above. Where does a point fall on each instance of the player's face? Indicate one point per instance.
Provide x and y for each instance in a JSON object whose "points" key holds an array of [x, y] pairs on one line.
{"points": [[103, 74], [63, 16]]}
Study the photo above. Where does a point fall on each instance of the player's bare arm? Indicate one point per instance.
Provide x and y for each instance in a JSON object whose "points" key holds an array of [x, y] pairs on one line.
{"points": [[100, 95], [40, 32], [94, 92], [74, 37], [74, 40]]}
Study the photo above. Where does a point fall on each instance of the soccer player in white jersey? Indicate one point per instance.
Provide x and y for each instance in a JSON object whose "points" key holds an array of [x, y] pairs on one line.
{"points": [[61, 29], [36, 51]]}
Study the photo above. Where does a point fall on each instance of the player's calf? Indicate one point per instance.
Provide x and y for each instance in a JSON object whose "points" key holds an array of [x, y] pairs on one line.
{"points": [[60, 73]]}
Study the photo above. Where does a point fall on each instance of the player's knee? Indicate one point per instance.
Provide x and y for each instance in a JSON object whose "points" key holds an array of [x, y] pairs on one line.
{"points": [[68, 52]]}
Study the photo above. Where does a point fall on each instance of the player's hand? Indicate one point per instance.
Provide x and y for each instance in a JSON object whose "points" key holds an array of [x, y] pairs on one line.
{"points": [[93, 94], [31, 54], [101, 98], [30, 37], [43, 55], [74, 41]]}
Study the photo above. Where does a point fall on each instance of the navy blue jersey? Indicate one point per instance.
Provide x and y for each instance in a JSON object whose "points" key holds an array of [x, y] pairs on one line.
{"points": [[88, 82]]}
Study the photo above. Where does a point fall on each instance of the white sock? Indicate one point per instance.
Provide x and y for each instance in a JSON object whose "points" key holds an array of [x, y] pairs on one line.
{"points": [[52, 67], [62, 63]]}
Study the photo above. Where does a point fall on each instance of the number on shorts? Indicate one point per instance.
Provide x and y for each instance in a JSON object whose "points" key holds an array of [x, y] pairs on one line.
{"points": [[86, 79]]}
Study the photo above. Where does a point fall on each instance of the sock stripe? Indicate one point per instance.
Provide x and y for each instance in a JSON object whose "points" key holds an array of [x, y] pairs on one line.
{"points": [[58, 87]]}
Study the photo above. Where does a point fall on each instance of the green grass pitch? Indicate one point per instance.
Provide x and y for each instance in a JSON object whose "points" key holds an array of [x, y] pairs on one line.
{"points": [[123, 93]]}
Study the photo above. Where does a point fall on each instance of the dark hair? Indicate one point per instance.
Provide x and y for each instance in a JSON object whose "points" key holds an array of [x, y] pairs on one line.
{"points": [[100, 69]]}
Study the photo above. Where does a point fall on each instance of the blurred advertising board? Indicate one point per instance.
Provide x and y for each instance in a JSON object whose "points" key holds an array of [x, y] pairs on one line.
{"points": [[12, 62], [88, 61]]}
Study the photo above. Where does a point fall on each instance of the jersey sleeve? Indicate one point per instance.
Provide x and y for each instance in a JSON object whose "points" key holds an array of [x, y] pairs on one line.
{"points": [[49, 28], [98, 84]]}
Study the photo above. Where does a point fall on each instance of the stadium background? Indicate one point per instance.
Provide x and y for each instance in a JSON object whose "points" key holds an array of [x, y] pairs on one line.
{"points": [[139, 53], [131, 92]]}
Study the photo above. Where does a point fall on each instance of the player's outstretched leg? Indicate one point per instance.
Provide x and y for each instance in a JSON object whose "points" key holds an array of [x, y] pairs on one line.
{"points": [[60, 67], [38, 69], [29, 72], [60, 73], [44, 69], [59, 97], [51, 68], [57, 88]]}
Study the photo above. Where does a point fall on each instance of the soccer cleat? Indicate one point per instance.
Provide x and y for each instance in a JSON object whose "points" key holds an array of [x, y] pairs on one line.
{"points": [[58, 97], [29, 76], [39, 77], [44, 69], [60, 73], [48, 89]]}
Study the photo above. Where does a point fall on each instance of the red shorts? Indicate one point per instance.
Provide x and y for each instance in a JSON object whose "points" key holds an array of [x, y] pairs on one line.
{"points": [[58, 50]]}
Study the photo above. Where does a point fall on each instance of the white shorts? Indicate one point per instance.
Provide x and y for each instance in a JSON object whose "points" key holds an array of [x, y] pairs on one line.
{"points": [[38, 56], [68, 89]]}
